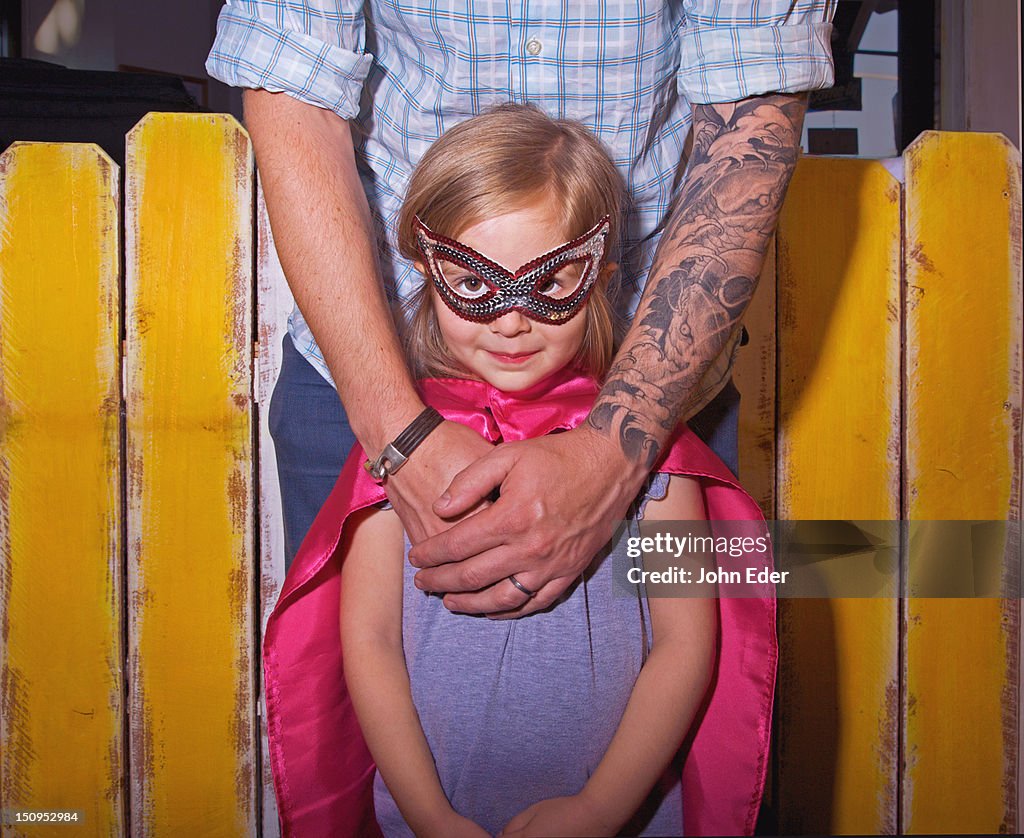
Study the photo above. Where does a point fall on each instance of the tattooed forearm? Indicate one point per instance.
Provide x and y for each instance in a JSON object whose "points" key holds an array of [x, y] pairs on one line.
{"points": [[705, 270]]}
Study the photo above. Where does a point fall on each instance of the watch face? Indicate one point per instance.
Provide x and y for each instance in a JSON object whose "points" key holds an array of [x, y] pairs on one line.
{"points": [[551, 288]]}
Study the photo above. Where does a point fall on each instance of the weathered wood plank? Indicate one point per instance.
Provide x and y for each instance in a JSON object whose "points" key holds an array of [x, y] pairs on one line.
{"points": [[274, 302], [61, 597], [963, 441], [838, 458], [191, 553], [755, 379]]}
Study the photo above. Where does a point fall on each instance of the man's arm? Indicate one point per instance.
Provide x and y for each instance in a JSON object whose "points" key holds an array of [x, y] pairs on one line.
{"points": [[325, 240], [326, 243], [560, 496], [706, 268]]}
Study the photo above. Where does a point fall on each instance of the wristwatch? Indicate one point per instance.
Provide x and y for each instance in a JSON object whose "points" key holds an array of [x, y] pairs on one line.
{"points": [[396, 452]]}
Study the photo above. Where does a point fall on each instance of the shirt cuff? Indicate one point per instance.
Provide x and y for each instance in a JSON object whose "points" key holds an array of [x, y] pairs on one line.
{"points": [[726, 64], [249, 52]]}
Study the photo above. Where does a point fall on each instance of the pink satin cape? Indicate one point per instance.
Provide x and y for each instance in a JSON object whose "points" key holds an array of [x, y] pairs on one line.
{"points": [[322, 769]]}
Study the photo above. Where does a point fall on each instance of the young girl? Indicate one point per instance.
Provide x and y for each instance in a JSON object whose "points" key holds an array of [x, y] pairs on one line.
{"points": [[562, 722]]}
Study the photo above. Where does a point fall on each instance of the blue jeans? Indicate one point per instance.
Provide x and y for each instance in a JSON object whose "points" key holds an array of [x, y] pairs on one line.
{"points": [[718, 425], [312, 438]]}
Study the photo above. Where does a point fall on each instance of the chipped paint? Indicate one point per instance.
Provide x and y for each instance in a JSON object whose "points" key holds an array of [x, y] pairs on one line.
{"points": [[275, 303], [917, 254], [887, 750], [754, 376], [1010, 701], [239, 489], [19, 755]]}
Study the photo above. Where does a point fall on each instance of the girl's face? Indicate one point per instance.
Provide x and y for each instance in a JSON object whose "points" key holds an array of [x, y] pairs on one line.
{"points": [[512, 352]]}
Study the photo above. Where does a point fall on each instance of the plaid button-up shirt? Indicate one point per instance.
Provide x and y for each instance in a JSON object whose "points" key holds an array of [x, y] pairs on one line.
{"points": [[628, 69]]}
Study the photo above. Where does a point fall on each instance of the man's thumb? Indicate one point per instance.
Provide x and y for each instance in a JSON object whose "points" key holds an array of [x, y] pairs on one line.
{"points": [[474, 484]]}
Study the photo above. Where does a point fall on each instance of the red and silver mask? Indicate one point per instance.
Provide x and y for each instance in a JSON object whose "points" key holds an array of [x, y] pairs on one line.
{"points": [[481, 290]]}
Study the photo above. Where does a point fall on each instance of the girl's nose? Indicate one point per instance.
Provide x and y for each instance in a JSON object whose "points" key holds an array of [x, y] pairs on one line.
{"points": [[510, 324]]}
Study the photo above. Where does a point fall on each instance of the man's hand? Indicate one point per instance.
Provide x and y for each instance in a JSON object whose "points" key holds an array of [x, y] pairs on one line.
{"points": [[448, 449], [561, 497]]}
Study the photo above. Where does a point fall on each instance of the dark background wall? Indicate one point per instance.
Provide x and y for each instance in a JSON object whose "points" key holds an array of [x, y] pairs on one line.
{"points": [[166, 36]]}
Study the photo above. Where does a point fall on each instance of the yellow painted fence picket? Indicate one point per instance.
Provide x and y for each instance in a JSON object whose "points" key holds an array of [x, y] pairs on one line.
{"points": [[61, 592], [137, 564], [962, 436], [838, 396], [190, 495]]}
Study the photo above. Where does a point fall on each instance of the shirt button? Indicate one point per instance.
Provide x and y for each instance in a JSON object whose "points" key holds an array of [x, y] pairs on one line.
{"points": [[533, 46]]}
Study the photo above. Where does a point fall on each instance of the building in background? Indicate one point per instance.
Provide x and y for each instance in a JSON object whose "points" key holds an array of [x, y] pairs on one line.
{"points": [[905, 67]]}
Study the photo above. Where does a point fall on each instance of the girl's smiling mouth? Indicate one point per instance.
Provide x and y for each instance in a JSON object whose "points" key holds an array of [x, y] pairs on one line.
{"points": [[512, 357]]}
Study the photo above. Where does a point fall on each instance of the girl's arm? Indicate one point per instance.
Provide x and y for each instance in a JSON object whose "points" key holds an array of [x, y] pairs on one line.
{"points": [[665, 698], [378, 681]]}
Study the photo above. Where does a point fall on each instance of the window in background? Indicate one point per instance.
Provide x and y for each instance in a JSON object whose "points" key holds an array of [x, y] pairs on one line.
{"points": [[859, 115]]}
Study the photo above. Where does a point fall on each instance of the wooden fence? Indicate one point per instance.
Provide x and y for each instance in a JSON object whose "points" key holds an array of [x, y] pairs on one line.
{"points": [[140, 549]]}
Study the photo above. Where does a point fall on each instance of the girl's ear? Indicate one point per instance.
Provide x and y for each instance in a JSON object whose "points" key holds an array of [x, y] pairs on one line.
{"points": [[608, 271], [420, 267]]}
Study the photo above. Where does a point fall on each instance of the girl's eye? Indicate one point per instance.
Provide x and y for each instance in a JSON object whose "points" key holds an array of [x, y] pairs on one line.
{"points": [[561, 285], [469, 286]]}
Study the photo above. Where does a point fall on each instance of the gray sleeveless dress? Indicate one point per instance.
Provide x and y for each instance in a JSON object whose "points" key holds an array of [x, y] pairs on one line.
{"points": [[518, 711]]}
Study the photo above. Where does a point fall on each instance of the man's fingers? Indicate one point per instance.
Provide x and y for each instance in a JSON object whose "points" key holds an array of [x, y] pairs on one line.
{"points": [[544, 598], [475, 534], [504, 601], [481, 572], [474, 483]]}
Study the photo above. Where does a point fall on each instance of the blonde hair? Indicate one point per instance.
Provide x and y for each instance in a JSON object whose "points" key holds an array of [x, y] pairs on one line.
{"points": [[506, 159]]}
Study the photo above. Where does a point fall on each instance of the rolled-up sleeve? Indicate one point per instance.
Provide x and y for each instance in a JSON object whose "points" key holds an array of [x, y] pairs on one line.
{"points": [[730, 49], [312, 50]]}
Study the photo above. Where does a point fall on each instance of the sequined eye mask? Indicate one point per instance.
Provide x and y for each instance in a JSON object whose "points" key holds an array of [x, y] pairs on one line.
{"points": [[479, 289]]}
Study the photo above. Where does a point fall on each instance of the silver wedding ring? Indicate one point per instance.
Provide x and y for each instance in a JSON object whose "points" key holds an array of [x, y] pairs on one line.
{"points": [[520, 586]]}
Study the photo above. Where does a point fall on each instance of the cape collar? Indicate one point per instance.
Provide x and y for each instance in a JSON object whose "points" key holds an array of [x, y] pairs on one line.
{"points": [[559, 402]]}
